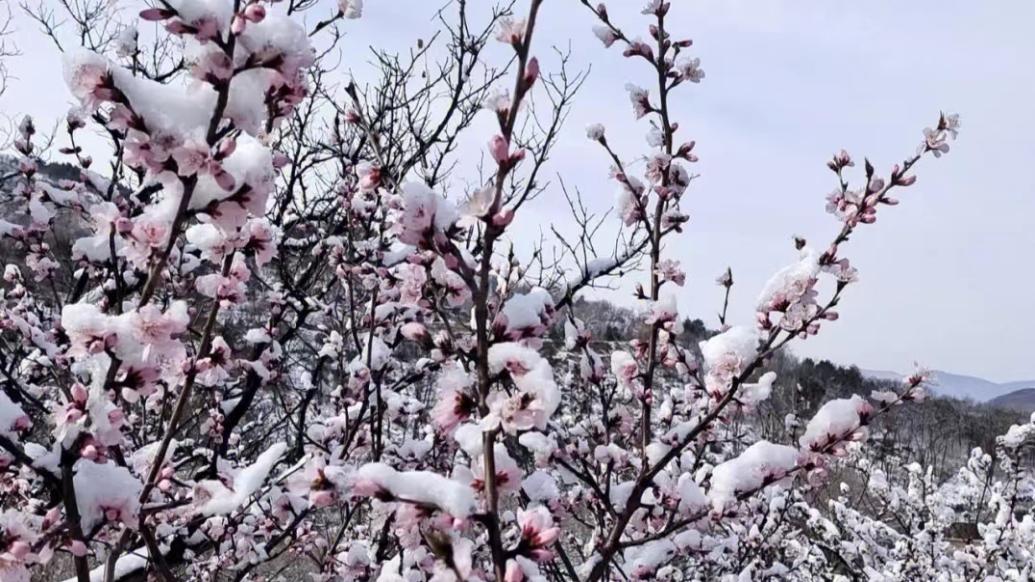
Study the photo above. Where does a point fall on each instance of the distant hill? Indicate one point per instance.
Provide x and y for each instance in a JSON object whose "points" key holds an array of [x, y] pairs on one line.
{"points": [[53, 171], [959, 385], [1022, 400]]}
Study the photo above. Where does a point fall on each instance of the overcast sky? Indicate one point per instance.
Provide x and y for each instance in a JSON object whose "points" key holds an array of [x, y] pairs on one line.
{"points": [[946, 277]]}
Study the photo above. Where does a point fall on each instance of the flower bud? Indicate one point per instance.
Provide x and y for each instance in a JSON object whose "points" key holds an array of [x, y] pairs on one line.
{"points": [[255, 12]]}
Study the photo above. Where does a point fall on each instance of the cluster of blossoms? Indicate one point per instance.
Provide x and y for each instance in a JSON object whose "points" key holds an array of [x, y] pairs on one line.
{"points": [[273, 339]]}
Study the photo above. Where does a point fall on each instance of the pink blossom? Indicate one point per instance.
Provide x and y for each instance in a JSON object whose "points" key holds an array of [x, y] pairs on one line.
{"points": [[538, 532], [212, 370], [690, 69], [261, 241], [150, 232], [508, 474], [155, 330], [191, 157], [424, 215], [456, 290], [453, 407], [513, 413]]}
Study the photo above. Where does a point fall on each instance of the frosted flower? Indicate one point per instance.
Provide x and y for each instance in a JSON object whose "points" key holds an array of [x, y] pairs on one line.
{"points": [[760, 464], [508, 474], [624, 367], [213, 67], [454, 406], [89, 78], [657, 166], [663, 313], [640, 100], [950, 123], [261, 241], [791, 292], [690, 69], [16, 541], [254, 12], [511, 31], [456, 290], [655, 138], [935, 140], [835, 421], [369, 176], [454, 403], [658, 7], [381, 481], [191, 157], [525, 315], [13, 419], [126, 45], [605, 34], [576, 336], [884, 396], [319, 482], [480, 203], [228, 290], [842, 271], [148, 232], [155, 330], [212, 370], [351, 9], [630, 208], [106, 492], [514, 413], [725, 279], [669, 270], [595, 132], [499, 103], [424, 214]]}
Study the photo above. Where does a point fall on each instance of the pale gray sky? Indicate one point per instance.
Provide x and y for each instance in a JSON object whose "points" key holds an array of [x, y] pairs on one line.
{"points": [[946, 276]]}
